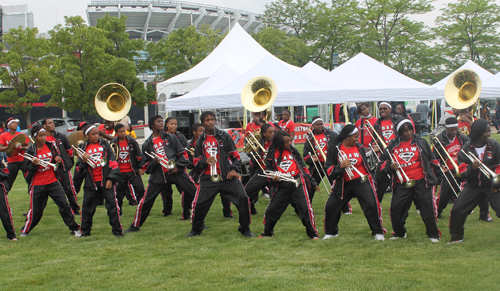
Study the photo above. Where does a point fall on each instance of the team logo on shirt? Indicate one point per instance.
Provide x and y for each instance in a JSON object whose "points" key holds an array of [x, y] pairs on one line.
{"points": [[123, 155], [46, 158], [285, 165], [96, 153], [212, 151], [406, 156], [387, 134], [160, 149]]}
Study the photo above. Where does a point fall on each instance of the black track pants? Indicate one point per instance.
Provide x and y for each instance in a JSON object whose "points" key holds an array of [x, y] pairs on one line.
{"points": [[6, 214], [69, 189], [133, 183], [13, 169], [90, 200]]}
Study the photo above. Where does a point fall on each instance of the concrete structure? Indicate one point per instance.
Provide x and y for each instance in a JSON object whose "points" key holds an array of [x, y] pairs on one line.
{"points": [[155, 19], [15, 16]]}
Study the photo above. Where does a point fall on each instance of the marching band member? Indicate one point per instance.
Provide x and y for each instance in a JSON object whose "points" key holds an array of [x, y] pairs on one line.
{"points": [[256, 124], [129, 158], [477, 184], [465, 120], [286, 124], [348, 183], [385, 127], [401, 111], [365, 115], [413, 159], [323, 138], [453, 141], [158, 151], [5, 211], [64, 171], [217, 157], [284, 158], [42, 183], [258, 165], [15, 162], [100, 169], [107, 130]]}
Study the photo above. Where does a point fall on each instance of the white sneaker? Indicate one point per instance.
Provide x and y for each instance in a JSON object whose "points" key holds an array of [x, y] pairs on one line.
{"points": [[379, 236], [23, 234], [347, 213], [434, 240], [266, 196], [328, 236], [397, 237], [418, 211], [77, 233]]}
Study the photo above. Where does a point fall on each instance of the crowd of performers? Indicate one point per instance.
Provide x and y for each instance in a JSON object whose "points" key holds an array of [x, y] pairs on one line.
{"points": [[363, 161]]}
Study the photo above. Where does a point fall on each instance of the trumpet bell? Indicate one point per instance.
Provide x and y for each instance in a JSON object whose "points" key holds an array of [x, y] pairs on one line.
{"points": [[215, 178], [258, 94], [410, 183], [462, 89], [113, 101]]}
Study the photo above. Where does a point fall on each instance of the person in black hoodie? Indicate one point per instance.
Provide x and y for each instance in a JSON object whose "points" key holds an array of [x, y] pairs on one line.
{"points": [[42, 183], [477, 184], [64, 171], [5, 211], [412, 155], [346, 186], [282, 157], [129, 158], [216, 149], [100, 169], [167, 148]]}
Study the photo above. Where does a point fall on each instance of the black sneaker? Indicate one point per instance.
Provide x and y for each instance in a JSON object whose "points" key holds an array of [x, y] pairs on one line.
{"points": [[132, 229], [25, 213], [248, 233], [119, 235], [229, 217], [487, 219], [194, 233], [167, 214], [85, 235]]}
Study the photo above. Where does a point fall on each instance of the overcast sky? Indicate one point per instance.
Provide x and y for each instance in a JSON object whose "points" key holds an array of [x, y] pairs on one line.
{"points": [[47, 13]]}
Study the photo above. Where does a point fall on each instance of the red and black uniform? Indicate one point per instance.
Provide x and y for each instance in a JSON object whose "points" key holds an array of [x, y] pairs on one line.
{"points": [[325, 139], [418, 162], [256, 182], [464, 126], [477, 185], [252, 127], [42, 183], [5, 211], [223, 148], [288, 126], [345, 188], [365, 138], [64, 171], [16, 161], [168, 147], [129, 158], [95, 186], [106, 131], [285, 193], [386, 129]]}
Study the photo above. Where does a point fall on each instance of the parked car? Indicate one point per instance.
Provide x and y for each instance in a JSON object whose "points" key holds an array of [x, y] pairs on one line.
{"points": [[65, 126]]}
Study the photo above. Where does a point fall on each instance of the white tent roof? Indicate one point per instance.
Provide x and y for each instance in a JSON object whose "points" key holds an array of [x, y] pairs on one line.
{"points": [[483, 74], [238, 50], [312, 71], [292, 88], [491, 87], [221, 78], [366, 79]]}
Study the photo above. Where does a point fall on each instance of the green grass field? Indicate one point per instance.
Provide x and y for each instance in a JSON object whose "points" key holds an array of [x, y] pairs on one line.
{"points": [[159, 257]]}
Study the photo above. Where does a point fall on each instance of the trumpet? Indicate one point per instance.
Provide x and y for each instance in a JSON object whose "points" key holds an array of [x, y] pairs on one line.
{"points": [[282, 176], [93, 161], [348, 170], [401, 173], [484, 169], [213, 168], [167, 164], [42, 163]]}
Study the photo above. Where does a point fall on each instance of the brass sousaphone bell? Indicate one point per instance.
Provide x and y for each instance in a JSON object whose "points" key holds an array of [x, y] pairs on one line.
{"points": [[462, 89], [259, 94], [113, 101]]}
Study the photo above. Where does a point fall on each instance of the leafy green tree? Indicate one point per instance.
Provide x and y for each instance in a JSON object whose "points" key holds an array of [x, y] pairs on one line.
{"points": [[287, 48], [469, 31], [27, 71]]}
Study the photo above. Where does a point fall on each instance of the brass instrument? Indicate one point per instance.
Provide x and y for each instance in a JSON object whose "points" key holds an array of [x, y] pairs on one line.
{"points": [[342, 157], [252, 148], [213, 168], [93, 161], [462, 88], [484, 169], [31, 139], [15, 145], [455, 166], [42, 163], [281, 176], [317, 143], [115, 148], [319, 163], [190, 151], [258, 94], [76, 139], [113, 101], [167, 164]]}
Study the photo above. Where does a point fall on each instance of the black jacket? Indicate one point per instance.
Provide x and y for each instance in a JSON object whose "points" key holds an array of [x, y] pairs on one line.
{"points": [[395, 120], [30, 169], [182, 139], [227, 155], [173, 151], [4, 177], [426, 156], [65, 151], [134, 152], [110, 171], [491, 159], [331, 138], [445, 141], [272, 165]]}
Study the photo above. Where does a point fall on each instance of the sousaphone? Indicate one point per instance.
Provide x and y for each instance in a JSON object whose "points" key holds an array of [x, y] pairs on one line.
{"points": [[259, 94], [462, 89], [113, 101]]}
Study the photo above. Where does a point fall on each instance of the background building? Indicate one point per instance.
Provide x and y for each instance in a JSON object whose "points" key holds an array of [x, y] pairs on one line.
{"points": [[15, 16]]}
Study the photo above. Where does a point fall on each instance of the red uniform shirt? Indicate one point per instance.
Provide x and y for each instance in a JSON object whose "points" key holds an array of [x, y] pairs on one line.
{"points": [[96, 151], [50, 138], [159, 146], [323, 144], [288, 126], [387, 129], [354, 156], [124, 157], [5, 139], [287, 164], [464, 126], [453, 149], [408, 157], [252, 127], [44, 175], [106, 131], [211, 147], [365, 138]]}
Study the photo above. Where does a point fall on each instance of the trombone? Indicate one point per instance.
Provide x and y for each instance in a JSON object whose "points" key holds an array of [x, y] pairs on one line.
{"points": [[42, 163], [308, 131], [93, 161], [281, 176], [438, 142], [484, 169], [342, 157], [167, 164], [252, 148], [213, 168], [320, 165], [115, 148]]}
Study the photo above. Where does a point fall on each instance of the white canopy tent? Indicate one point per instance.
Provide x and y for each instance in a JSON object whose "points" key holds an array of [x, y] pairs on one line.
{"points": [[491, 87], [312, 71], [238, 50], [363, 78]]}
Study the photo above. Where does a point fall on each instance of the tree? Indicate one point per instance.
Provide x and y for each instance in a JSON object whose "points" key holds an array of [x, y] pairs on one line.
{"points": [[469, 31], [27, 71], [287, 48]]}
